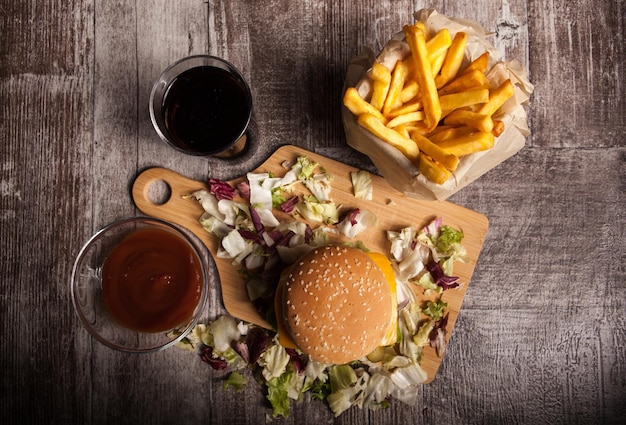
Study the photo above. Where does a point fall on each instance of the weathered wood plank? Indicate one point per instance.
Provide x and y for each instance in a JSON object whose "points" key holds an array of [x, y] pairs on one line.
{"points": [[45, 128], [578, 67]]}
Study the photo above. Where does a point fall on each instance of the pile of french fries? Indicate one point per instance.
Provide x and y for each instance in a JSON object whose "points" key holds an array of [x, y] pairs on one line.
{"points": [[430, 107]]}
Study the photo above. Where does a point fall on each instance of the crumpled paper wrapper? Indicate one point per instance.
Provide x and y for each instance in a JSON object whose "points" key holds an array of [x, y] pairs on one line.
{"points": [[401, 173]]}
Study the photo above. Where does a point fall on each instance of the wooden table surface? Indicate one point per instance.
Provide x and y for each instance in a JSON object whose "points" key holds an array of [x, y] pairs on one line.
{"points": [[541, 337]]}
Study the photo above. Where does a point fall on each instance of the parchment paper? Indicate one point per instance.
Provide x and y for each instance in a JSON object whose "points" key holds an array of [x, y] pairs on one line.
{"points": [[390, 162]]}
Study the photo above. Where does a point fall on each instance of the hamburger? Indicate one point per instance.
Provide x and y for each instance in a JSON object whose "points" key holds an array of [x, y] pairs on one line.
{"points": [[337, 304]]}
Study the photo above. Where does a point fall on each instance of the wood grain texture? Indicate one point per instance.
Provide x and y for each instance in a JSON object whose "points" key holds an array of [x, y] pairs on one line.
{"points": [[540, 337]]}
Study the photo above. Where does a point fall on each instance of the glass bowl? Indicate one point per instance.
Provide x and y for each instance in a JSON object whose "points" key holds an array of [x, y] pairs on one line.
{"points": [[102, 313]]}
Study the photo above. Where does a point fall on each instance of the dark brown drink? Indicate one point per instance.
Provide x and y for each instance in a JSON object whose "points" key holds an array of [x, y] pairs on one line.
{"points": [[206, 109]]}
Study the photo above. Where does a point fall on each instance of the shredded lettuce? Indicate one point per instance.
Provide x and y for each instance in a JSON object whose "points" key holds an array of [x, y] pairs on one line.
{"points": [[278, 393], [312, 209], [223, 330], [361, 184], [355, 222], [235, 380], [447, 238], [317, 183], [274, 361], [435, 309], [422, 337], [235, 247], [208, 201], [346, 388], [378, 388], [341, 376]]}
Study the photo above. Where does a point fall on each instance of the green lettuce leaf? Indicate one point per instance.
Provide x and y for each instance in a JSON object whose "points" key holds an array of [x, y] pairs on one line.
{"points": [[235, 380]]}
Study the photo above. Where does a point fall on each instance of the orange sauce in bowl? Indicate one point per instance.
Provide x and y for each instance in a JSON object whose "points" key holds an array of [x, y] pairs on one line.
{"points": [[152, 281]]}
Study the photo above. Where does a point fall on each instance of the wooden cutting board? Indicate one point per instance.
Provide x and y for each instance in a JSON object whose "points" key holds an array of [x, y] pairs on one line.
{"points": [[393, 210]]}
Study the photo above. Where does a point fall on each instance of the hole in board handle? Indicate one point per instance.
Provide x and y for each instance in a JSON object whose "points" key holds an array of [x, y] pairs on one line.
{"points": [[159, 192]]}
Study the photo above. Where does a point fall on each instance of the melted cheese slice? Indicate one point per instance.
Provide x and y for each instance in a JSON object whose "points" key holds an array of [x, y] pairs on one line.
{"points": [[391, 335]]}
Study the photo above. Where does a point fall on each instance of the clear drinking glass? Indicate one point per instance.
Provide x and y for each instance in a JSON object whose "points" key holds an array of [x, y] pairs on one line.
{"points": [[202, 105]]}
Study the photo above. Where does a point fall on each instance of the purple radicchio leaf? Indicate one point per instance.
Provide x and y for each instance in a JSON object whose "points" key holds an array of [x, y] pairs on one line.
{"points": [[440, 278], [403, 304], [432, 229], [297, 360], [308, 234], [352, 215], [256, 221], [284, 241], [275, 235], [257, 341], [241, 348], [289, 205], [247, 234], [243, 188], [438, 336], [221, 189], [217, 363]]}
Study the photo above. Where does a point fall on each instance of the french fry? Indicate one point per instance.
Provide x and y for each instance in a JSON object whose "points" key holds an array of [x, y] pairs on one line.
{"points": [[422, 27], [404, 119], [448, 160], [436, 64], [405, 130], [421, 128], [431, 170], [409, 91], [442, 128], [438, 44], [395, 88], [409, 69], [379, 94], [358, 106], [453, 59], [447, 133], [437, 47], [376, 127], [498, 128], [407, 64], [478, 64], [472, 80], [480, 122], [497, 97], [453, 101], [380, 72], [468, 144], [413, 106], [425, 79], [382, 78]]}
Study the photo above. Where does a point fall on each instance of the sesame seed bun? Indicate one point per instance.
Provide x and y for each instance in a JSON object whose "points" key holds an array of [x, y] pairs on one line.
{"points": [[336, 304]]}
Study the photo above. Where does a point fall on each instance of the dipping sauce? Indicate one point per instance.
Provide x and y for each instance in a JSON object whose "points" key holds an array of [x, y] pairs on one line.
{"points": [[152, 281], [206, 109]]}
